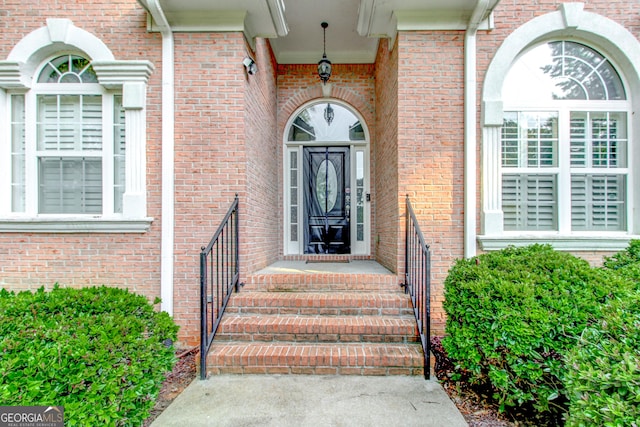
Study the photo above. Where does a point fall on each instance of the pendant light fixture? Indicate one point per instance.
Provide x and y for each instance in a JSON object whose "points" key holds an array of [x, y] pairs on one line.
{"points": [[328, 114], [324, 65]]}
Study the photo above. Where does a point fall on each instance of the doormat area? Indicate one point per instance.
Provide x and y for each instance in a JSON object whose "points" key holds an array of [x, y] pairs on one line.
{"points": [[328, 261]]}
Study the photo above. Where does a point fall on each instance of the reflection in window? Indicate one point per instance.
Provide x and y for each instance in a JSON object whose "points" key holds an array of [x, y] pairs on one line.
{"points": [[68, 69], [562, 70], [313, 125]]}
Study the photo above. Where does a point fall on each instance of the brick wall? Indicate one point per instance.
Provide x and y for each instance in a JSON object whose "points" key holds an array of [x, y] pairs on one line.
{"points": [[210, 155], [430, 145], [385, 158], [32, 260], [261, 220]]}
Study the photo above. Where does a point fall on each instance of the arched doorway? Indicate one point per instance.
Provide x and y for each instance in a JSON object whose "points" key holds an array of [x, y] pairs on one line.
{"points": [[326, 179]]}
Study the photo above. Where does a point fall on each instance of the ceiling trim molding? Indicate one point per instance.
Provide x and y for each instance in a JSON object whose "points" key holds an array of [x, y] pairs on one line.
{"points": [[439, 20], [204, 21], [276, 9]]}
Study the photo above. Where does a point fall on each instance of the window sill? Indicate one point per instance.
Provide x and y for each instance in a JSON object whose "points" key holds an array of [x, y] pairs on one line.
{"points": [[75, 225], [600, 242]]}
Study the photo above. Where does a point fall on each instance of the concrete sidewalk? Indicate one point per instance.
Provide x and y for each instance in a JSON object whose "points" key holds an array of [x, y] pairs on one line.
{"points": [[302, 400]]}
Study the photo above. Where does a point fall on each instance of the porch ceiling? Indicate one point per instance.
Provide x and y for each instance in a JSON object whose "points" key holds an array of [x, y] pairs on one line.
{"points": [[293, 26]]}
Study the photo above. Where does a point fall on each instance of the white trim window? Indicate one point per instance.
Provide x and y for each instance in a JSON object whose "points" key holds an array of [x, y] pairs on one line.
{"points": [[72, 135], [564, 143], [67, 143]]}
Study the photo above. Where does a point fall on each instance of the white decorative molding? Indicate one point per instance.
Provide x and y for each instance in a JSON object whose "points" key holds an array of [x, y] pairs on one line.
{"points": [[58, 29], [135, 196], [11, 77], [492, 216], [276, 9], [572, 14], [204, 21], [75, 225], [116, 73], [37, 45], [563, 243]]}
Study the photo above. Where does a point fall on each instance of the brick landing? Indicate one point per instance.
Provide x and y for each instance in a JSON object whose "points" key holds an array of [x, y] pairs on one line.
{"points": [[318, 318]]}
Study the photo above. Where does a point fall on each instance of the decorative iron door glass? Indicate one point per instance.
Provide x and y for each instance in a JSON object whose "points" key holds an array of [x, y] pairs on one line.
{"points": [[327, 200]]}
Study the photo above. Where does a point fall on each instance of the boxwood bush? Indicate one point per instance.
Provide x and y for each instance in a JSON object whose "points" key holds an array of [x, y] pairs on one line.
{"points": [[603, 376], [512, 316], [100, 352]]}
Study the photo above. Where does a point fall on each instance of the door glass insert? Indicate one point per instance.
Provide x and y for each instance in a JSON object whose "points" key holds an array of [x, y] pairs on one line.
{"points": [[327, 186]]}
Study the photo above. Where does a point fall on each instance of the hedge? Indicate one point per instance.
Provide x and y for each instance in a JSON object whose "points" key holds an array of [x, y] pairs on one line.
{"points": [[603, 376], [100, 352], [512, 316]]}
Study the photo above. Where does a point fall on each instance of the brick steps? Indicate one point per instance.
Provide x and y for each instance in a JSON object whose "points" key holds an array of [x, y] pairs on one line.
{"points": [[325, 359], [317, 328], [314, 322], [320, 303]]}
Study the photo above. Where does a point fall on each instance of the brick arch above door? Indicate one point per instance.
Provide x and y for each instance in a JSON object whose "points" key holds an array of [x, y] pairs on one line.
{"points": [[299, 84]]}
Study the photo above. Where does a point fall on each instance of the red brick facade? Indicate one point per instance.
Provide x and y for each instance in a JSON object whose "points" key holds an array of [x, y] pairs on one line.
{"points": [[229, 129]]}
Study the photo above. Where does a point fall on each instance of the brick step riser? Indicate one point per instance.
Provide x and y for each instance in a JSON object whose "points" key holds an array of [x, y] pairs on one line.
{"points": [[317, 337], [319, 311], [317, 329], [324, 282], [279, 303], [324, 287], [317, 360]]}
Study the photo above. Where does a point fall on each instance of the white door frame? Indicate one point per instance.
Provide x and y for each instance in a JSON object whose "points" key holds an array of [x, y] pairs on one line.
{"points": [[293, 206]]}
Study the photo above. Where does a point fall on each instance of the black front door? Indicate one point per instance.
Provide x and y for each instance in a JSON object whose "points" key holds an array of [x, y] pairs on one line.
{"points": [[327, 200]]}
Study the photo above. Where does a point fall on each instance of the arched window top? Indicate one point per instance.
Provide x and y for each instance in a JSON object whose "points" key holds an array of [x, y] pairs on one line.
{"points": [[68, 69], [326, 122], [562, 70]]}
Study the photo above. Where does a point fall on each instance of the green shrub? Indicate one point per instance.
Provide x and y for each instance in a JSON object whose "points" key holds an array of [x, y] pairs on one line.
{"points": [[513, 314], [100, 352], [603, 378], [626, 263]]}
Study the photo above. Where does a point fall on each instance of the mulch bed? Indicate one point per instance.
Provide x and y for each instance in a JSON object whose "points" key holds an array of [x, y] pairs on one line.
{"points": [[183, 374]]}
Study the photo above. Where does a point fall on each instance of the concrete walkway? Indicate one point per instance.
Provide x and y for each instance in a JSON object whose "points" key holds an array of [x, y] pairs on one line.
{"points": [[314, 401]]}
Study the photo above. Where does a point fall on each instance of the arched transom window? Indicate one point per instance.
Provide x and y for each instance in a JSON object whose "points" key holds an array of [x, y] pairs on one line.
{"points": [[326, 122], [565, 142]]}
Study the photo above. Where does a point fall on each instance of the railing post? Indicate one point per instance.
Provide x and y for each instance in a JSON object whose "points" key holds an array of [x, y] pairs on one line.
{"points": [[203, 314], [236, 244], [406, 244]]}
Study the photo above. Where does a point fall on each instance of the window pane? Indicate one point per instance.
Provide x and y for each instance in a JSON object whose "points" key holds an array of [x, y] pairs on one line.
{"points": [[562, 70], [598, 202], [326, 122], [17, 154], [293, 189], [68, 69], [530, 139], [529, 202], [360, 195], [598, 140], [70, 185], [69, 122]]}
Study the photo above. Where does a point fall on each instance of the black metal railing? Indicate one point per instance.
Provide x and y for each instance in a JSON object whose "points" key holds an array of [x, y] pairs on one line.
{"points": [[219, 277], [417, 273]]}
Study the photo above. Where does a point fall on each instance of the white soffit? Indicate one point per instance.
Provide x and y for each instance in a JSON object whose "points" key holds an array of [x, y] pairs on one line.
{"points": [[355, 26]]}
